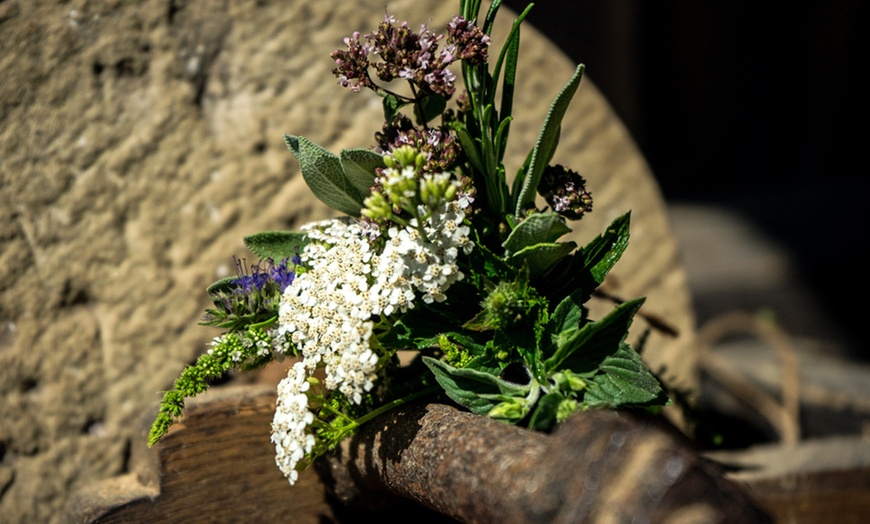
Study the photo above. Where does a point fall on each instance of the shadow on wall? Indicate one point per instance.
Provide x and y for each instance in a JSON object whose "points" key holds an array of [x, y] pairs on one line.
{"points": [[755, 110]]}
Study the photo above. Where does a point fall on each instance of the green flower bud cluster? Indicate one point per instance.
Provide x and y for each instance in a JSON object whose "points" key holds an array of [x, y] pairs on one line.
{"points": [[511, 409], [502, 306], [404, 191], [570, 385], [567, 408], [453, 354], [568, 382]]}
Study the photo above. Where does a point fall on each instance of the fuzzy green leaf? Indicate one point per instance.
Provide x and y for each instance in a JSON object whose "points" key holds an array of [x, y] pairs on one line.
{"points": [[601, 254], [276, 245], [547, 141], [586, 268], [478, 391], [359, 167], [563, 323], [583, 350], [536, 229], [324, 175], [624, 379], [540, 258]]}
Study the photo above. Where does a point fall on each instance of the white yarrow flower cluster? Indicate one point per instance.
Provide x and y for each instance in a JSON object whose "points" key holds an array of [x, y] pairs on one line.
{"points": [[329, 311], [292, 417]]}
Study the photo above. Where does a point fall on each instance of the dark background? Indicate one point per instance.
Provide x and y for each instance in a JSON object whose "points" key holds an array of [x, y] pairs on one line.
{"points": [[756, 108]]}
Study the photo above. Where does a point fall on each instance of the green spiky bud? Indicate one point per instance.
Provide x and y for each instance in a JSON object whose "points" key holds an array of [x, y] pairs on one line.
{"points": [[514, 409], [567, 408], [568, 381]]}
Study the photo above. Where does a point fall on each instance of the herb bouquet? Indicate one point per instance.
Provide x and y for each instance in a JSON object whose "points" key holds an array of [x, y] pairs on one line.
{"points": [[437, 253]]}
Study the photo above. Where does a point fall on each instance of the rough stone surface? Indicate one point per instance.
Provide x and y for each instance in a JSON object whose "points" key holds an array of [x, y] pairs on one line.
{"points": [[141, 141]]}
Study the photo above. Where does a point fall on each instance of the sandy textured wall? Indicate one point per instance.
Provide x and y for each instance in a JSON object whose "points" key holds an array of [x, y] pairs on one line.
{"points": [[140, 141]]}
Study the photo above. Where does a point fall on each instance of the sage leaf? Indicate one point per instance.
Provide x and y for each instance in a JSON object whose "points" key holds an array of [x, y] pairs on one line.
{"points": [[324, 175], [359, 167], [276, 245], [226, 284], [536, 229]]}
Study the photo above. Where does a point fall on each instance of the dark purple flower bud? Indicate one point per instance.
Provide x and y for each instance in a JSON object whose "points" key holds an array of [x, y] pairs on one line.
{"points": [[470, 41], [352, 65], [565, 191]]}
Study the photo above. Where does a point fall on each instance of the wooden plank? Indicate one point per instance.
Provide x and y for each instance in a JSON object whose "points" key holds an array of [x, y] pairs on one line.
{"points": [[217, 465], [814, 482]]}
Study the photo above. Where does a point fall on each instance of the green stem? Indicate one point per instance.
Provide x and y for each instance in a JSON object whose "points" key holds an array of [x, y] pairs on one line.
{"points": [[418, 105], [265, 323], [390, 405], [414, 211]]}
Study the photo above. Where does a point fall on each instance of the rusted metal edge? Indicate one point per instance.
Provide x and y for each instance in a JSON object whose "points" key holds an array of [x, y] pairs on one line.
{"points": [[598, 466]]}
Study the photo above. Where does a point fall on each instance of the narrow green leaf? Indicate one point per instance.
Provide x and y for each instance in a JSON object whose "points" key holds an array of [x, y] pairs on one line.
{"points": [[540, 258], [323, 173], [536, 229], [547, 141], [478, 391], [276, 245], [359, 167], [519, 181], [432, 106], [583, 350], [469, 147], [501, 137], [392, 104], [508, 57], [488, 152], [489, 20], [624, 379]]}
